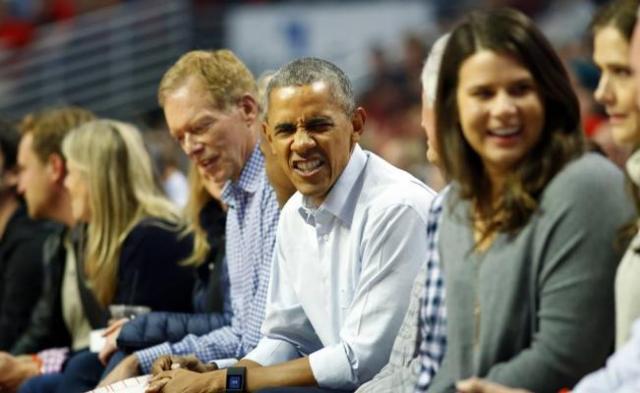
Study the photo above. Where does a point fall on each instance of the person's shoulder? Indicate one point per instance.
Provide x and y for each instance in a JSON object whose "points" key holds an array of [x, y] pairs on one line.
{"points": [[590, 164], [155, 228], [591, 187], [22, 227], [386, 185], [156, 223], [292, 207], [157, 239], [589, 174]]}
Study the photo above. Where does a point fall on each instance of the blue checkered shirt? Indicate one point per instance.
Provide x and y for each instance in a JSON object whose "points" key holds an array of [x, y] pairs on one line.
{"points": [[251, 225], [433, 317]]}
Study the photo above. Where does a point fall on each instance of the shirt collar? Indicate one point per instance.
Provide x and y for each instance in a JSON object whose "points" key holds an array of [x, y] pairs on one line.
{"points": [[249, 179], [341, 200]]}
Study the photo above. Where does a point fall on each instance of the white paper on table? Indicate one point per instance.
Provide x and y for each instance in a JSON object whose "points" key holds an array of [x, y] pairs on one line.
{"points": [[96, 340], [131, 385]]}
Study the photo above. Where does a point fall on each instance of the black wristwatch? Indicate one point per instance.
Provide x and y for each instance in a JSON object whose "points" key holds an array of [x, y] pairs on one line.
{"points": [[236, 380]]}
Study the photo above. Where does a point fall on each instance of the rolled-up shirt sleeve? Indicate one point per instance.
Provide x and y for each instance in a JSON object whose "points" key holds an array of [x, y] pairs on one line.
{"points": [[273, 351]]}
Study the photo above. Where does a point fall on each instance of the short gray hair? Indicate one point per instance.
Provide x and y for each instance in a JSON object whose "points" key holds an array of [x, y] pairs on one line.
{"points": [[308, 70], [262, 83], [431, 69]]}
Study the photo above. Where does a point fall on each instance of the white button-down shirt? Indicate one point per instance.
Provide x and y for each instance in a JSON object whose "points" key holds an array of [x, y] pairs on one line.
{"points": [[342, 273]]}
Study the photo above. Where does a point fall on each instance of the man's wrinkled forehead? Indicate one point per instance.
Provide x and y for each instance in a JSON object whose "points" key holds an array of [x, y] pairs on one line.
{"points": [[187, 104], [289, 91], [279, 96]]}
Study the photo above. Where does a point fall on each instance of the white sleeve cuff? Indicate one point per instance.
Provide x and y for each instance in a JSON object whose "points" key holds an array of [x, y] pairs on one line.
{"points": [[224, 363], [271, 351], [332, 369]]}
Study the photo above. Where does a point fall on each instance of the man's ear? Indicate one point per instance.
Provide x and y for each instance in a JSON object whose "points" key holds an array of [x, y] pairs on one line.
{"points": [[267, 135], [249, 108], [357, 122], [57, 168]]}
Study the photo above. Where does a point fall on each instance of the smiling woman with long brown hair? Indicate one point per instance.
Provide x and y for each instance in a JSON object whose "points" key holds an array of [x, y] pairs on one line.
{"points": [[528, 228]]}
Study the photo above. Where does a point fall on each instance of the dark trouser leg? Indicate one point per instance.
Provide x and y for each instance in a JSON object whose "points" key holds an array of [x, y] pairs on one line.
{"points": [[81, 373], [41, 384]]}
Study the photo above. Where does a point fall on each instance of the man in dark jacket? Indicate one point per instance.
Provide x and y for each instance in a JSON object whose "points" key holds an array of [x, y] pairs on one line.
{"points": [[21, 242], [55, 321]]}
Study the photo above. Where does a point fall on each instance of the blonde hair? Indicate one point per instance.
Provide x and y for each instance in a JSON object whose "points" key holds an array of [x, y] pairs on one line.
{"points": [[112, 157], [198, 198], [50, 126], [224, 76]]}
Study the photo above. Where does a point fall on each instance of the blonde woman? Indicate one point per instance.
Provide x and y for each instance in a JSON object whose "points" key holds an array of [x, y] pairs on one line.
{"points": [[207, 222], [135, 240]]}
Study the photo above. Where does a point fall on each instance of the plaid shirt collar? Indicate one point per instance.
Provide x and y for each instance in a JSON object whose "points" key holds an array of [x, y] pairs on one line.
{"points": [[249, 179]]}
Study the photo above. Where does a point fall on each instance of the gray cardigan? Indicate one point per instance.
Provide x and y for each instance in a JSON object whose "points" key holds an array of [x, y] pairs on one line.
{"points": [[545, 295]]}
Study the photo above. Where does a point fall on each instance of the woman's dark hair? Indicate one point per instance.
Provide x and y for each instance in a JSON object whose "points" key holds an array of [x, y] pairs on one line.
{"points": [[620, 14], [509, 32]]}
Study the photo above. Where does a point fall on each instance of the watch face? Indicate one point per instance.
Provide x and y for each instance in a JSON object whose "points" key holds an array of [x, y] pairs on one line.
{"points": [[234, 382]]}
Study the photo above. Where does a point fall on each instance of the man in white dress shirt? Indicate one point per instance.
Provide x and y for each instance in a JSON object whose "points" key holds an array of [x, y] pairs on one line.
{"points": [[349, 245]]}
